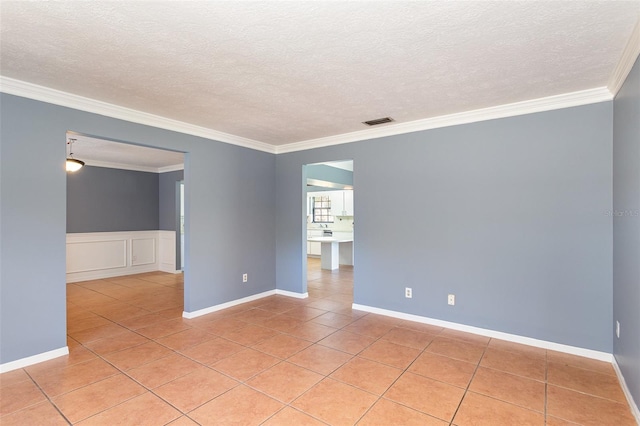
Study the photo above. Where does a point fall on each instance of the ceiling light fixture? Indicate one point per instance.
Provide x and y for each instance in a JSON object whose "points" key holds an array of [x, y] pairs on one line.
{"points": [[73, 165]]}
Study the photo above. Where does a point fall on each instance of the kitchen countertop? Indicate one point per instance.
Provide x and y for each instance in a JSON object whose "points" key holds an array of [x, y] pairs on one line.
{"points": [[330, 240]]}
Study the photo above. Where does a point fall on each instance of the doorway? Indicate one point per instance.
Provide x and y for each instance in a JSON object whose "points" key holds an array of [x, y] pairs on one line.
{"points": [[125, 241], [330, 219]]}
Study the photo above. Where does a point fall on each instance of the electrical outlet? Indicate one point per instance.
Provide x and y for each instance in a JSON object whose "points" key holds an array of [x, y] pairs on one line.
{"points": [[245, 278], [451, 299], [408, 293], [618, 329]]}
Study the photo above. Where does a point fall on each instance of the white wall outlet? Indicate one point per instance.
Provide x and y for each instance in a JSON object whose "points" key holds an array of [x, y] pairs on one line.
{"points": [[451, 299], [408, 293], [618, 329], [245, 278]]}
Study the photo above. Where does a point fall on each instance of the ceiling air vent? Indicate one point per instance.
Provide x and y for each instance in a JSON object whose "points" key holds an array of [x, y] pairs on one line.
{"points": [[378, 121]]}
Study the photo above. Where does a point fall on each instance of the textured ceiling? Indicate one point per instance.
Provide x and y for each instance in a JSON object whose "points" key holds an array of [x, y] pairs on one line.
{"points": [[99, 152], [284, 72]]}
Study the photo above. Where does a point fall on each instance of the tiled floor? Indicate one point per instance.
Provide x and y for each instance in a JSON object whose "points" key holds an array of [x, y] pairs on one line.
{"points": [[281, 361]]}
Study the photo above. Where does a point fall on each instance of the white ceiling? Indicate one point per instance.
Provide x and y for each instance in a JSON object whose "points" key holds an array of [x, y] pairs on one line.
{"points": [[104, 153], [286, 72]]}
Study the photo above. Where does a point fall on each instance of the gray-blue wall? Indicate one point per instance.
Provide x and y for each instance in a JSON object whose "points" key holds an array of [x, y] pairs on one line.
{"points": [[226, 233], [626, 229], [505, 214], [102, 199]]}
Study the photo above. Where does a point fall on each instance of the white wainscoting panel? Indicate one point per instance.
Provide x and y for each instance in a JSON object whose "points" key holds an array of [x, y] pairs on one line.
{"points": [[87, 256], [97, 255], [143, 251]]}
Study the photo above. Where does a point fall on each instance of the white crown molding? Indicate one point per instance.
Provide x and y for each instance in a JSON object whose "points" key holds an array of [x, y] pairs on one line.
{"points": [[628, 58], [44, 94], [550, 103], [110, 165], [40, 93], [173, 168]]}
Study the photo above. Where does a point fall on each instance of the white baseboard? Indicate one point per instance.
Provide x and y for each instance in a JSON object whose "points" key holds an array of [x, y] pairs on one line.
{"points": [[200, 312], [292, 294], [34, 359], [627, 393], [589, 353]]}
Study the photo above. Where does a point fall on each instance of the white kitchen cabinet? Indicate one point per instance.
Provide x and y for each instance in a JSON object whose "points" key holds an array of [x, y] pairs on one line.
{"points": [[348, 203]]}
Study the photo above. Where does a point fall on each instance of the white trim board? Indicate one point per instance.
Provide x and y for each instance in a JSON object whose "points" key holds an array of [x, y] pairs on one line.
{"points": [[589, 353], [200, 312], [32, 91], [57, 97], [120, 166], [627, 393], [627, 59], [567, 100], [34, 359]]}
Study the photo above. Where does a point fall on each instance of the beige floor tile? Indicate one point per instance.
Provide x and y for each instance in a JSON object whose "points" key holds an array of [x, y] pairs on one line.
{"points": [[419, 326], [289, 416], [96, 333], [367, 375], [386, 413], [163, 328], [42, 414], [554, 421], [250, 335], [89, 400], [146, 409], [515, 363], [19, 395], [389, 353], [507, 387], [185, 339], [137, 355], [369, 327], [311, 331], [347, 342], [157, 373], [222, 325], [63, 380], [183, 421], [282, 322], [333, 319], [305, 313], [117, 343], [282, 345], [240, 406], [142, 321], [581, 362], [480, 410], [444, 369], [191, 391], [476, 339], [77, 354], [586, 409], [335, 403], [245, 364], [254, 316], [285, 381], [12, 377], [426, 395], [321, 359], [504, 345], [212, 351], [410, 338], [587, 381], [457, 349]]}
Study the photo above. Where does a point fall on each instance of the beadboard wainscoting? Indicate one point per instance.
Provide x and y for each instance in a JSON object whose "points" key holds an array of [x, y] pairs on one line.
{"points": [[97, 255]]}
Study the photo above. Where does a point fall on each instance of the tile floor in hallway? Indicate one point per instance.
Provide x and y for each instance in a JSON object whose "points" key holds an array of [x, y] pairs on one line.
{"points": [[283, 361]]}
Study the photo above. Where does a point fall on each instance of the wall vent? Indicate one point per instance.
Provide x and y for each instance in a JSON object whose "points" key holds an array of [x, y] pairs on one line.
{"points": [[378, 121]]}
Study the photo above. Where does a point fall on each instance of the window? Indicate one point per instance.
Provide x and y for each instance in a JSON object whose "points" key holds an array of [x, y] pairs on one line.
{"points": [[322, 210]]}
